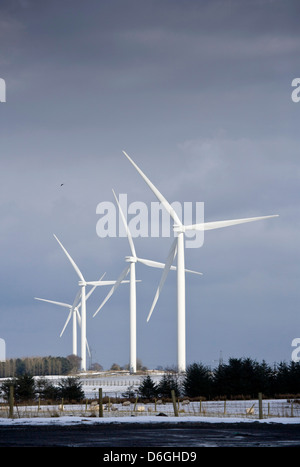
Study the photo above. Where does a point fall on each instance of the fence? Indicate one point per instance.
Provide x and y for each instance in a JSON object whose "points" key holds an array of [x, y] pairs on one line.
{"points": [[184, 408], [111, 387]]}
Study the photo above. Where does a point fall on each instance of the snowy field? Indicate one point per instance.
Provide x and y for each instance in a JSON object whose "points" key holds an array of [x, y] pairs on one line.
{"points": [[70, 420], [247, 410]]}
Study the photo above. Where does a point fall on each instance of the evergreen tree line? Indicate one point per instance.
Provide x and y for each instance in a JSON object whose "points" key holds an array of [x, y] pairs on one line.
{"points": [[240, 377], [39, 366], [26, 388]]}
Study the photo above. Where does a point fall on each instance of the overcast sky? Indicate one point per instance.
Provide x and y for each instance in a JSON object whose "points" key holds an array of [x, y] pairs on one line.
{"points": [[198, 93]]}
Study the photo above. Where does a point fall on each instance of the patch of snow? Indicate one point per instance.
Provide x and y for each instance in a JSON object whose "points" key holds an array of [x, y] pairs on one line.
{"points": [[69, 420]]}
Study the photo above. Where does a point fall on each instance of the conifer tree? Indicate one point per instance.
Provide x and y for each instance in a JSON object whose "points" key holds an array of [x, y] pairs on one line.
{"points": [[197, 381], [168, 382], [147, 388]]}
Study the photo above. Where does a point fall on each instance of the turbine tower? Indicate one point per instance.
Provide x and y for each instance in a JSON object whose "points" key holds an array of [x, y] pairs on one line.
{"points": [[132, 260], [82, 284], [180, 229]]}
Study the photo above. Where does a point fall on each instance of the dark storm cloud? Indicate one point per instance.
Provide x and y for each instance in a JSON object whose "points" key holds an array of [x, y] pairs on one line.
{"points": [[134, 45], [133, 59]]}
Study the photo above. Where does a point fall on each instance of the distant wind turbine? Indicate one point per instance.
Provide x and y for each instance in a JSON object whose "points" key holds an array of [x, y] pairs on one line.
{"points": [[74, 313], [132, 260], [82, 284], [179, 243]]}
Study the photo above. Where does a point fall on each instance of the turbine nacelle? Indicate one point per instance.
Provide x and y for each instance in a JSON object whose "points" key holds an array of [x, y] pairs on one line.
{"points": [[82, 283], [179, 228], [130, 259]]}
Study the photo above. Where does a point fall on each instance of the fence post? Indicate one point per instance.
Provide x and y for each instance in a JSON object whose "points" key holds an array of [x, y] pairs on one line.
{"points": [[260, 411], [174, 403], [11, 401], [100, 403]]}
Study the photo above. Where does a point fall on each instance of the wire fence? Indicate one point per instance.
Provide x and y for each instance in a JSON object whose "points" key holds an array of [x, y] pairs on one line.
{"points": [[222, 409]]}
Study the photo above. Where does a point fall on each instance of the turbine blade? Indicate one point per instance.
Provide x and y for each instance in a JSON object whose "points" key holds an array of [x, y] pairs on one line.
{"points": [[193, 272], [157, 193], [167, 267], [78, 316], [66, 323], [88, 348], [66, 305], [227, 223], [77, 298], [152, 264], [79, 273], [93, 288], [156, 264], [115, 286], [99, 283], [129, 236]]}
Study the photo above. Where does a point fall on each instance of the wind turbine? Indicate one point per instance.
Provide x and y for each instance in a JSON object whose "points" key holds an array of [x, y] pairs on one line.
{"points": [[74, 313], [132, 260], [82, 284], [178, 244]]}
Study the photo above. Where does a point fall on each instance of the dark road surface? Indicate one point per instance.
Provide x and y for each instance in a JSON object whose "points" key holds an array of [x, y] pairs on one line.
{"points": [[149, 435]]}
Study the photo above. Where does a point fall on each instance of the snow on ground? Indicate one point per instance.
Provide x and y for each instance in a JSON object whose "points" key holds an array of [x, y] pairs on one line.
{"points": [[68, 420]]}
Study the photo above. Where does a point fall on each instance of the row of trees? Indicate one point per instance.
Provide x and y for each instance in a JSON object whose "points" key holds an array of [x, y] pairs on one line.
{"points": [[139, 366], [237, 378], [39, 366], [240, 377], [26, 388]]}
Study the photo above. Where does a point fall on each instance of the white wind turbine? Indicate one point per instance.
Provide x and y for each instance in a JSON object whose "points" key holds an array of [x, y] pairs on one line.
{"points": [[178, 244], [82, 284], [74, 313], [132, 260]]}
